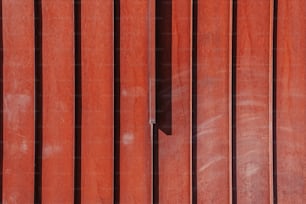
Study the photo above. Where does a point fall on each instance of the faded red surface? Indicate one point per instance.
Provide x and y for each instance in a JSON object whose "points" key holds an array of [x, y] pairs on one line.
{"points": [[18, 102], [213, 101], [97, 101], [234, 47], [254, 74], [58, 101], [291, 101], [135, 137]]}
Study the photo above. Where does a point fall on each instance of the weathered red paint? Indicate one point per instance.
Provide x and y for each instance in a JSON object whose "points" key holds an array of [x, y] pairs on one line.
{"points": [[97, 101], [18, 101], [58, 101], [291, 101], [213, 99], [254, 74], [175, 149], [135, 137]]}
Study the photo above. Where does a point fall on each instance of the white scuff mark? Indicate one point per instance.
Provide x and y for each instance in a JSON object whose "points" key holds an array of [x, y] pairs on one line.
{"points": [[296, 95], [211, 162], [250, 154], [133, 92], [248, 117], [16, 148], [210, 121], [209, 125], [14, 106], [124, 92], [127, 138], [251, 169], [24, 146], [51, 150], [206, 131], [251, 103], [60, 106], [12, 198], [287, 129]]}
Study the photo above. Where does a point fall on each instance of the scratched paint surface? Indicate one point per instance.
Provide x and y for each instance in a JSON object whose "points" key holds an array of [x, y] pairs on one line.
{"points": [[253, 77], [291, 101], [18, 102], [141, 78], [213, 158]]}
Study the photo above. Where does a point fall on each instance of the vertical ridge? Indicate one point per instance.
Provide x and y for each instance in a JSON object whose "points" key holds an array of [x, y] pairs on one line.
{"points": [[230, 90], [274, 113], [271, 100]]}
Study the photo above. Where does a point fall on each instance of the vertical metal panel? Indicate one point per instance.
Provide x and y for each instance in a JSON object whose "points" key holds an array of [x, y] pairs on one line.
{"points": [[135, 140], [58, 101], [174, 91], [97, 101], [18, 101], [213, 113], [253, 101], [291, 101]]}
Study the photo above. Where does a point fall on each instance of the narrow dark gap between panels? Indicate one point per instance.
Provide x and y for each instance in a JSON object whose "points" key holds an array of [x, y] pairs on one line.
{"points": [[274, 119], [116, 101], [1, 101], [78, 102], [38, 101], [234, 100], [194, 99], [155, 166]]}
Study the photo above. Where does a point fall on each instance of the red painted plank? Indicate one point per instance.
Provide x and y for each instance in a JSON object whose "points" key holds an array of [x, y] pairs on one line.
{"points": [[135, 140], [58, 101], [213, 98], [97, 101], [18, 90], [254, 76], [175, 137], [291, 101]]}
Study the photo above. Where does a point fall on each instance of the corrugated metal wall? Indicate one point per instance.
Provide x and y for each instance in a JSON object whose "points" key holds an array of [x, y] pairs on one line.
{"points": [[153, 101]]}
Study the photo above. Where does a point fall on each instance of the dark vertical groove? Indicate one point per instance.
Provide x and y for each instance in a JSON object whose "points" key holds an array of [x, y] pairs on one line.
{"points": [[78, 102], [155, 166], [194, 100], [1, 101], [117, 101], [38, 101], [234, 100], [274, 119]]}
